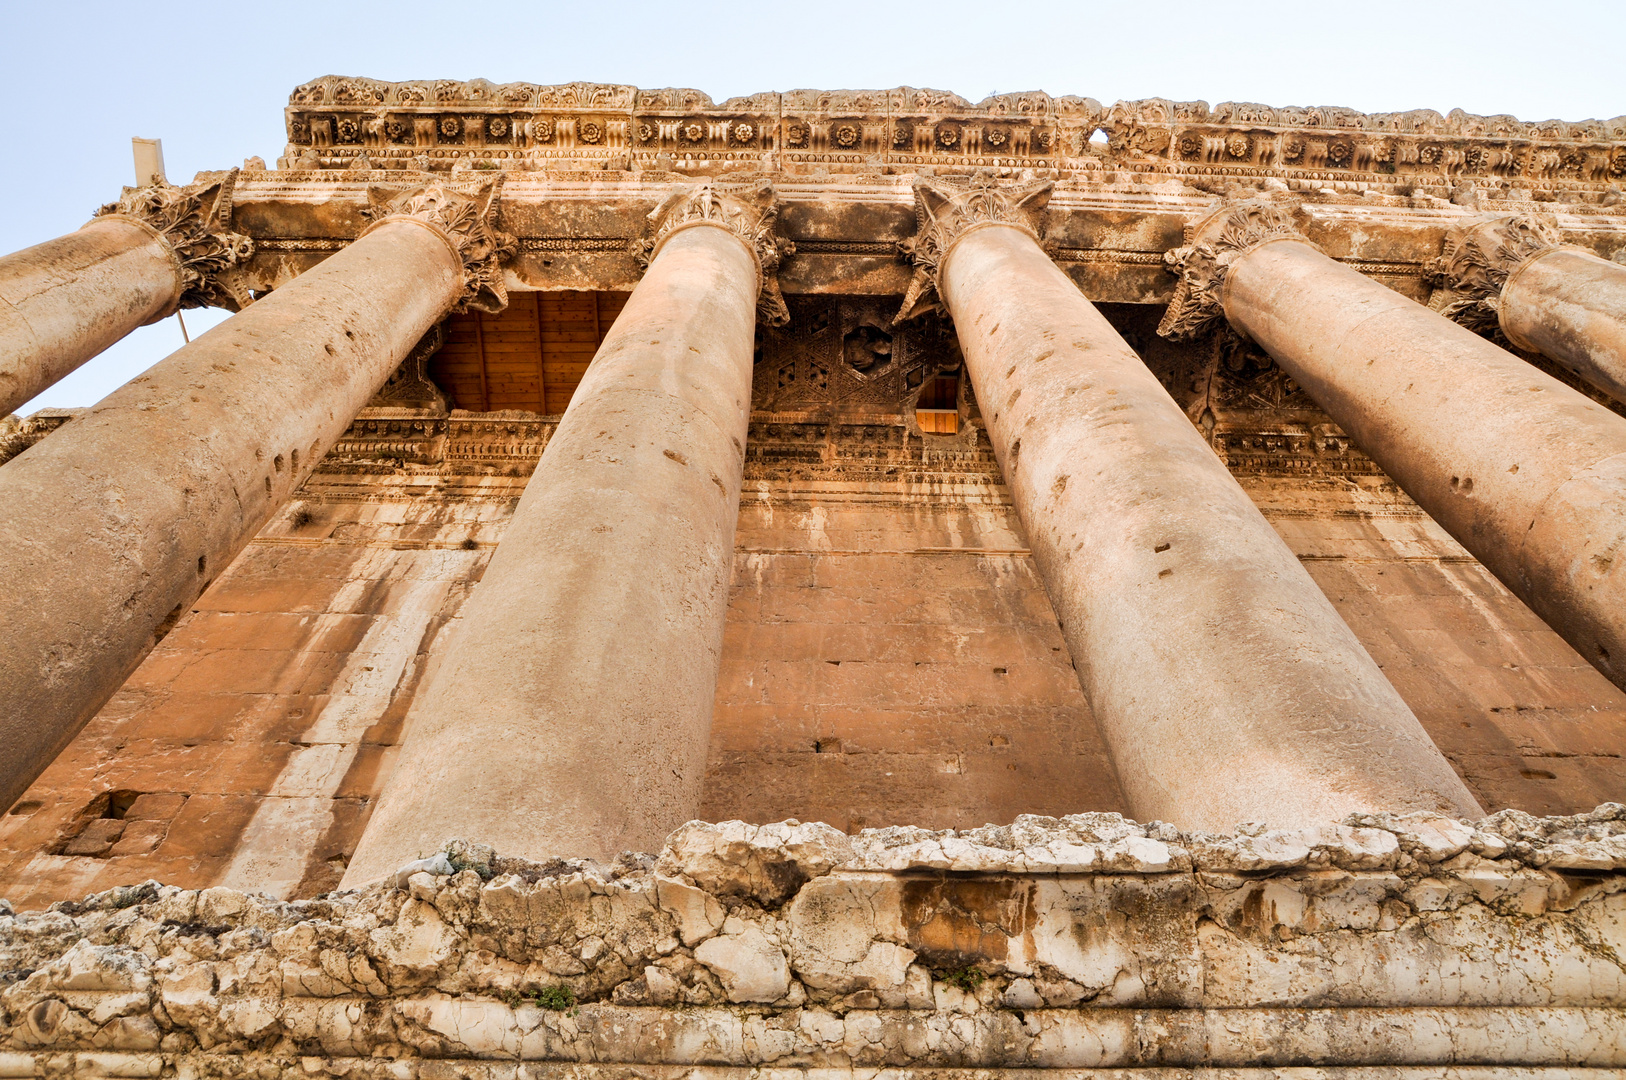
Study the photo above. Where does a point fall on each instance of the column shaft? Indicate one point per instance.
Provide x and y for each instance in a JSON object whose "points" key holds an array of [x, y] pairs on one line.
{"points": [[1527, 474], [115, 524], [1570, 305], [1226, 686], [64, 301], [572, 711]]}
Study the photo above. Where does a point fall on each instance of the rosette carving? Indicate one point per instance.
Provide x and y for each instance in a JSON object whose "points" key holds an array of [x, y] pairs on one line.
{"points": [[195, 222], [1202, 266], [463, 212], [748, 210], [1477, 260], [946, 208]]}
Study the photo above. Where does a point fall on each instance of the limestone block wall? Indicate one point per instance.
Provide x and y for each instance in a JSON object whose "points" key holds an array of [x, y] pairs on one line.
{"points": [[895, 665], [1522, 717], [254, 736], [1412, 946]]}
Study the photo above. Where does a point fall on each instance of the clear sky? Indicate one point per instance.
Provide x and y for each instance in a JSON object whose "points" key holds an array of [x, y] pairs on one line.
{"points": [[211, 79]]}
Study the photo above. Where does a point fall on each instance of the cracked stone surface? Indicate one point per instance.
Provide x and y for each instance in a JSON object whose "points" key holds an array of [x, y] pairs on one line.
{"points": [[1390, 943]]}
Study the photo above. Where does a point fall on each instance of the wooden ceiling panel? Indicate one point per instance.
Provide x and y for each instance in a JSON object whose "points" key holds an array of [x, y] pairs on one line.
{"points": [[529, 356]]}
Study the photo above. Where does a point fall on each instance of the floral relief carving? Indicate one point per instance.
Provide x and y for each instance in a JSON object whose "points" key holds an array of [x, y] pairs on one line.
{"points": [[1201, 267], [1176, 137], [195, 222], [463, 213], [945, 209]]}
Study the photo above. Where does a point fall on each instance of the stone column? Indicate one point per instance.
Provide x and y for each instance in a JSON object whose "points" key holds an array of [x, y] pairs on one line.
{"points": [[571, 713], [157, 249], [1526, 473], [1514, 273], [1226, 686], [114, 525]]}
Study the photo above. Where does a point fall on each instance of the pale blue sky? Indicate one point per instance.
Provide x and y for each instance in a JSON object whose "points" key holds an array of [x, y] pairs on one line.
{"points": [[211, 80]]}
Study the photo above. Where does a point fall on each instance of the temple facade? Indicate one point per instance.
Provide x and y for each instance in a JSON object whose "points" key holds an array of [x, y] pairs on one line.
{"points": [[1140, 589]]}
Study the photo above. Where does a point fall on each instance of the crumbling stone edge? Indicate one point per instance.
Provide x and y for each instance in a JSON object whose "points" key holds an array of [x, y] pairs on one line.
{"points": [[1088, 941]]}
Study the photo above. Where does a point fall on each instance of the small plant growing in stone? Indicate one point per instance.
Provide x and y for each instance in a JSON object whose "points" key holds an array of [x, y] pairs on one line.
{"points": [[466, 856], [556, 998], [966, 978]]}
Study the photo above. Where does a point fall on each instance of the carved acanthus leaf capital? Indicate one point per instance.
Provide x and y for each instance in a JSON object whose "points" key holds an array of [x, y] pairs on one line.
{"points": [[749, 210], [195, 222], [1479, 257], [1227, 235], [946, 208], [463, 212]]}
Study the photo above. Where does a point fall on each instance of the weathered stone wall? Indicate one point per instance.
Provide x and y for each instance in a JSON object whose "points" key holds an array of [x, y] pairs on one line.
{"points": [[1412, 943]]}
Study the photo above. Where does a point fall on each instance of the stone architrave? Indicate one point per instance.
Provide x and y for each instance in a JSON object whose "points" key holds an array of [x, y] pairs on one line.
{"points": [[592, 643], [1226, 685], [157, 249], [1515, 273], [115, 524], [1526, 473]]}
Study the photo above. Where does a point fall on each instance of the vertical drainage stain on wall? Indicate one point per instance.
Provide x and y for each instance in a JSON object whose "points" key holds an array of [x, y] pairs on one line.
{"points": [[301, 801]]}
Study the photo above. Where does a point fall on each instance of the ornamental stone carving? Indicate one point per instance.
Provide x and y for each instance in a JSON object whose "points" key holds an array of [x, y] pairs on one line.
{"points": [[194, 221], [946, 208], [1201, 266], [1477, 260], [748, 210], [463, 213]]}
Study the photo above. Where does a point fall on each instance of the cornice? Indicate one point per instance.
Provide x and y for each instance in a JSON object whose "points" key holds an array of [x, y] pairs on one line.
{"points": [[336, 121]]}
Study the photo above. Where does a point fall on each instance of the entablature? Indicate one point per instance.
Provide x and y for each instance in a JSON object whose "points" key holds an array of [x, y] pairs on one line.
{"points": [[581, 230]]}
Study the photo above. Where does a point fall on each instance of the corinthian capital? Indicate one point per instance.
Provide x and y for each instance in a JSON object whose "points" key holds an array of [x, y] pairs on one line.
{"points": [[1224, 237], [1477, 260], [748, 210], [463, 213], [194, 221], [946, 208]]}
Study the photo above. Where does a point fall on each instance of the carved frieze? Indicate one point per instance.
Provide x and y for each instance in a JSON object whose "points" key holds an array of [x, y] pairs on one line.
{"points": [[946, 208], [195, 221], [410, 387], [593, 126], [748, 210], [1476, 262], [463, 213], [1201, 267], [839, 352]]}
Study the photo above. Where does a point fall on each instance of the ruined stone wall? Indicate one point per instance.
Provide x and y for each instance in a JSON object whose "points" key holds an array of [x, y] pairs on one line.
{"points": [[1415, 946]]}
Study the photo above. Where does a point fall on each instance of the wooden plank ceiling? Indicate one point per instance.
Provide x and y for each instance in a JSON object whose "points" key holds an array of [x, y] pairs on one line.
{"points": [[529, 356]]}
